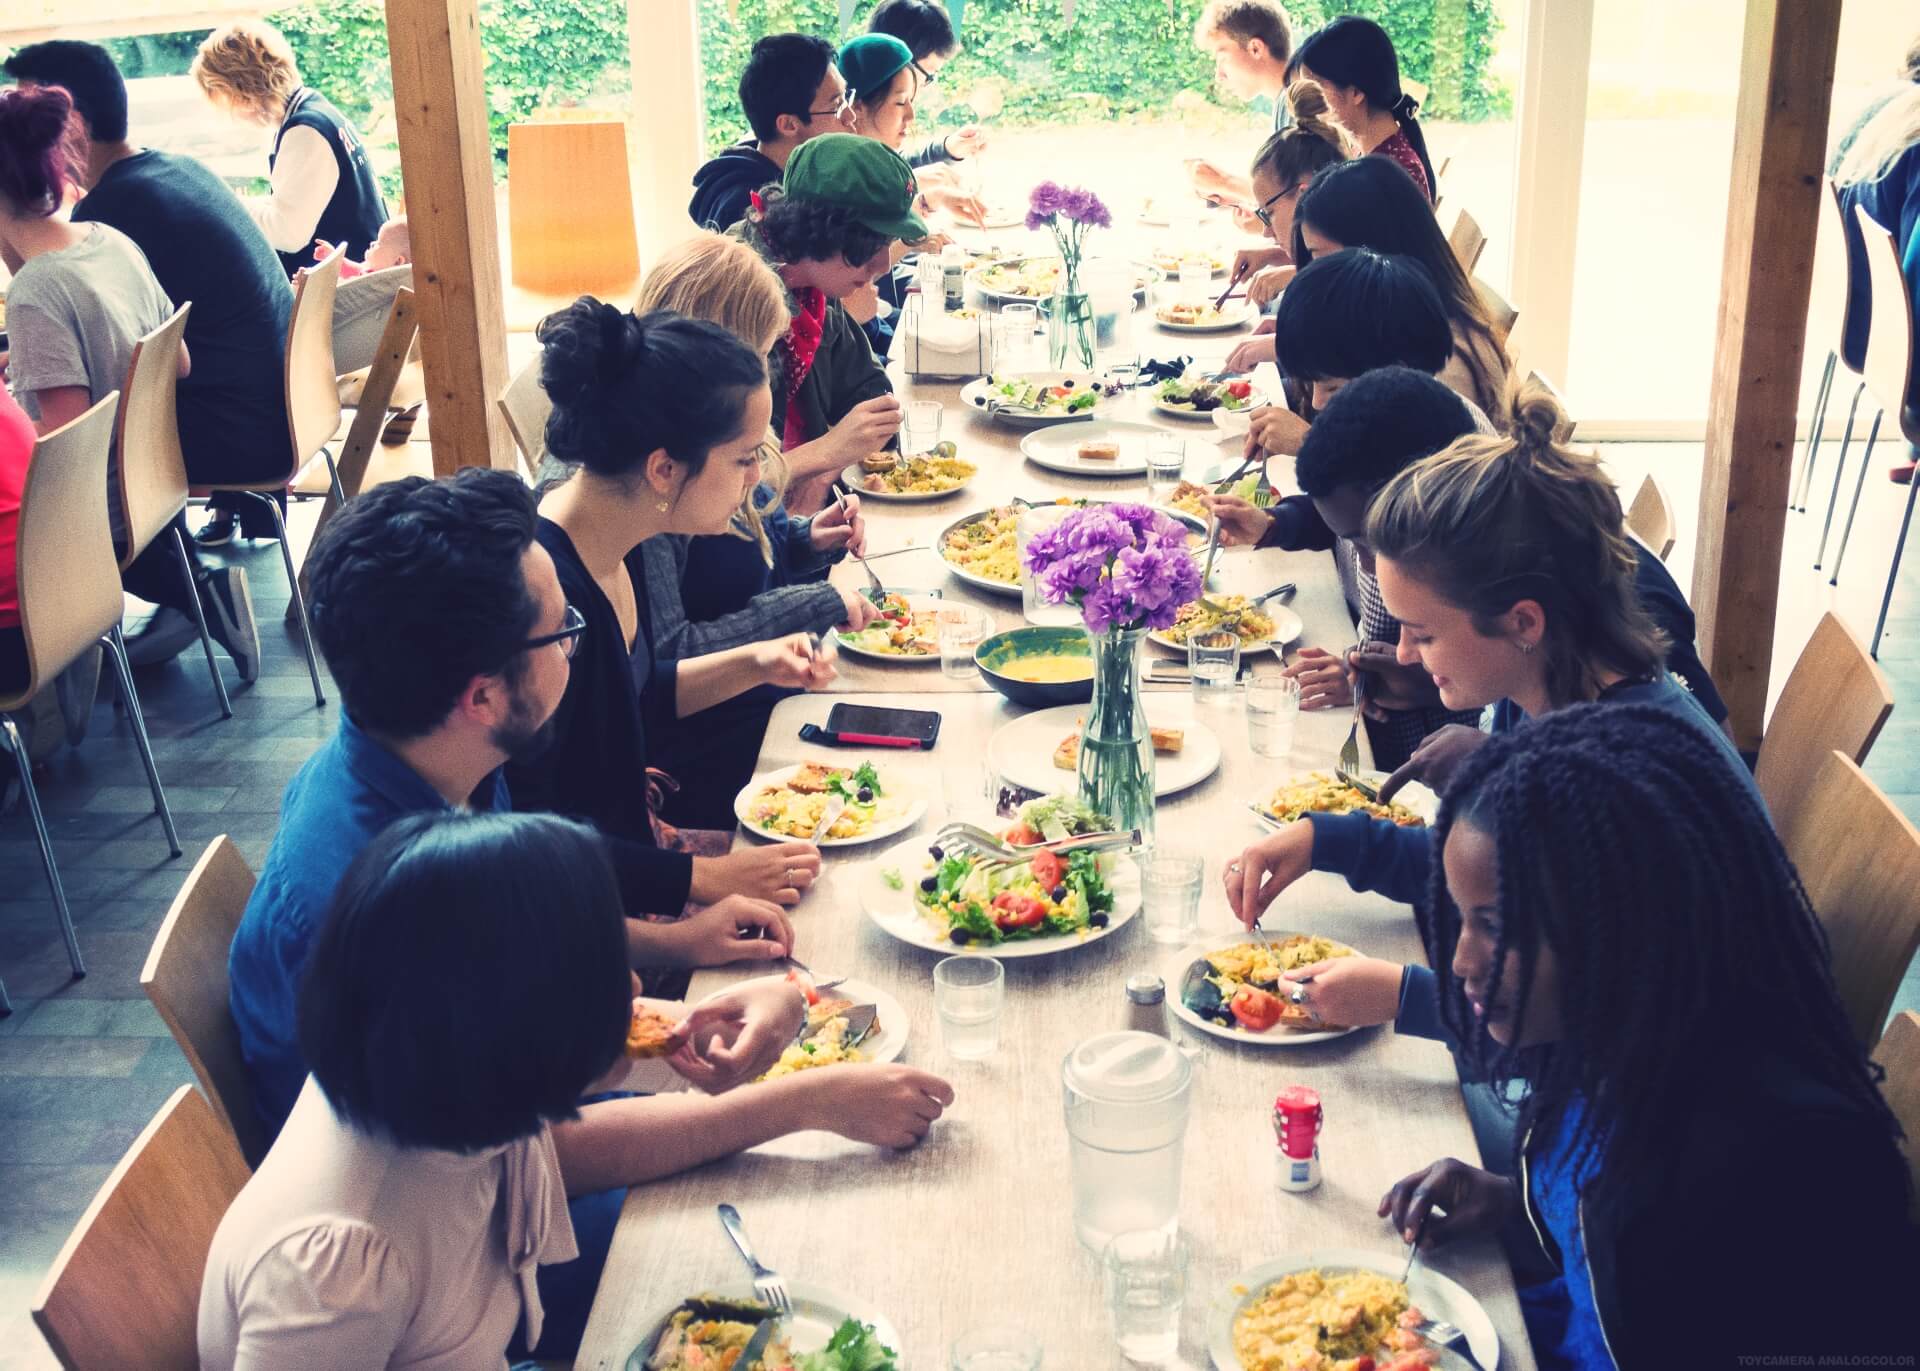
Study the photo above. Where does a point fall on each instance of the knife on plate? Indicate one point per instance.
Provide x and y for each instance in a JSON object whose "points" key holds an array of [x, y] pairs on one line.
{"points": [[751, 1354], [836, 806]]}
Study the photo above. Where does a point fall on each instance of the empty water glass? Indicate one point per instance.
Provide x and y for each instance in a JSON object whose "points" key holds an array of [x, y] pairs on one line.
{"points": [[922, 427], [1170, 885], [1166, 462], [968, 993], [996, 1349], [1018, 325], [1146, 1289], [1273, 703], [1213, 658], [1196, 277], [960, 629]]}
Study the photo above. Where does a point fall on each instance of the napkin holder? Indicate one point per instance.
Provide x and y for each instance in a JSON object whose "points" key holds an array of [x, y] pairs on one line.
{"points": [[934, 344]]}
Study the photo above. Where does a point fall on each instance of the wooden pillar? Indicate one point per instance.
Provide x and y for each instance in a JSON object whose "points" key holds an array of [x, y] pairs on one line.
{"points": [[1779, 154], [446, 162]]}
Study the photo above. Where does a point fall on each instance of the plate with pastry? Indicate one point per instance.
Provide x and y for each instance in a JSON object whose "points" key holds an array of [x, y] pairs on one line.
{"points": [[1200, 316], [888, 476], [1105, 447], [1041, 751], [1237, 991]]}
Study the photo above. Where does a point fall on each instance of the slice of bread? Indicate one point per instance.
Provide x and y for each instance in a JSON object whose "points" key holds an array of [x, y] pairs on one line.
{"points": [[1067, 755], [1098, 450], [650, 1034]]}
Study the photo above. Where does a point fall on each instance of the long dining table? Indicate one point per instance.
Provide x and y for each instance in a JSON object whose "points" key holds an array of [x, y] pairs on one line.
{"points": [[973, 1227]]}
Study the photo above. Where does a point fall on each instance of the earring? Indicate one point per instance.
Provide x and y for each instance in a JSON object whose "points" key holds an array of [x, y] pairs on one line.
{"points": [[663, 507], [1526, 648]]}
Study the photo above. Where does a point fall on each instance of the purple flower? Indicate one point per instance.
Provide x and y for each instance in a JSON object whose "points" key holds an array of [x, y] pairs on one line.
{"points": [[1125, 565], [1046, 199], [1084, 207]]}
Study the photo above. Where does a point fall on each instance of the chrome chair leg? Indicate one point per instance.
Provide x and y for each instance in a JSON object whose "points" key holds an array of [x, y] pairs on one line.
{"points": [[1839, 470], [1893, 572], [11, 733], [1866, 461], [333, 476], [117, 649], [200, 622], [299, 600], [1814, 432]]}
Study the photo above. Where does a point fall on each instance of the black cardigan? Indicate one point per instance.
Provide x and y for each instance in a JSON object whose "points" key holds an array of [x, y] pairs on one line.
{"points": [[595, 768]]}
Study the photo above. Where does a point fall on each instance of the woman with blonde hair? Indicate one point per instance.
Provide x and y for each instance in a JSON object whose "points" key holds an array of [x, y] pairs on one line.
{"points": [[323, 186]]}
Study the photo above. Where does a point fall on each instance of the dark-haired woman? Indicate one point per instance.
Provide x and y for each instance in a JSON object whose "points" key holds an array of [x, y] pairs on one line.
{"points": [[1708, 1175], [1354, 60], [664, 417], [1362, 204]]}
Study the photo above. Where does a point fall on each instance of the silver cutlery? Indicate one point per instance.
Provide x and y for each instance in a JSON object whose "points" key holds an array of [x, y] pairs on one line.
{"points": [[876, 592], [861, 1020], [836, 806], [766, 1281], [983, 843], [1284, 592], [1348, 769], [755, 1350]]}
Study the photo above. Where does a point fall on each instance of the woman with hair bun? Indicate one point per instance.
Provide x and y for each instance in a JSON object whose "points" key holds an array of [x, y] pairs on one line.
{"points": [[1354, 60]]}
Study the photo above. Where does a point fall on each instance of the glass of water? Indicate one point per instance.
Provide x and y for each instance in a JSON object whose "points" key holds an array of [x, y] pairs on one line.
{"points": [[969, 992], [1213, 658], [1166, 461], [1273, 703], [961, 629], [996, 1349], [1146, 1289], [922, 427], [1017, 324], [1196, 278], [1170, 885]]}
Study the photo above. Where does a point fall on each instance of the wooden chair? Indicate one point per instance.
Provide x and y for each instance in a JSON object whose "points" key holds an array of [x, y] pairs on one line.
{"points": [[1859, 858], [1836, 698], [125, 1290], [1467, 241], [153, 473], [313, 416], [1899, 1055], [186, 978], [525, 407], [1503, 315], [1650, 518], [1833, 226], [70, 599]]}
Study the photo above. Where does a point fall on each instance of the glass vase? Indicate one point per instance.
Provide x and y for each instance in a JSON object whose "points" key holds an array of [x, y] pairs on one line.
{"points": [[1070, 328], [1116, 746]]}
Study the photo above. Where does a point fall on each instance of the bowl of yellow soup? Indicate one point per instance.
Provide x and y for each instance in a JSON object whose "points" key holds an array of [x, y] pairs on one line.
{"points": [[1040, 665]]}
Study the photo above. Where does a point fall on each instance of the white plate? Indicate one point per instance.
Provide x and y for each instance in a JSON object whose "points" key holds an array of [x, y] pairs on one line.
{"points": [[855, 480], [889, 1037], [918, 604], [1230, 318], [1256, 399], [1145, 277], [1286, 627], [972, 578], [1435, 1295], [976, 393], [1057, 450], [816, 1313], [895, 914], [888, 823], [1174, 973], [1022, 751], [1413, 795]]}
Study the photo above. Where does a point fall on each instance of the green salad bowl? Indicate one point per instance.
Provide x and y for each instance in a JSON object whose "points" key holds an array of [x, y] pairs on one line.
{"points": [[1007, 660]]}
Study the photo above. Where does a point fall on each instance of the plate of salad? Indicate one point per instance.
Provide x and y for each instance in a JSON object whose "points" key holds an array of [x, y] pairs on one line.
{"points": [[907, 631], [826, 1331], [1197, 396], [790, 803], [1032, 399], [1048, 902], [1236, 991]]}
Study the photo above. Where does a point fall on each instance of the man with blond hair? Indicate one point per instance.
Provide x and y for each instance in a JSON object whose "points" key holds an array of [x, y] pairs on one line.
{"points": [[1251, 42]]}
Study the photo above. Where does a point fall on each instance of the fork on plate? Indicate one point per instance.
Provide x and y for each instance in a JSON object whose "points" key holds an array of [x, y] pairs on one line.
{"points": [[767, 1283]]}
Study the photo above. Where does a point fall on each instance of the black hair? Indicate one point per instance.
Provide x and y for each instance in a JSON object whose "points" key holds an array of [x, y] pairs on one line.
{"points": [[1312, 141], [469, 981], [783, 74], [920, 24], [1347, 313], [810, 230], [1620, 831], [624, 386], [1357, 52], [1376, 426], [416, 588], [88, 74]]}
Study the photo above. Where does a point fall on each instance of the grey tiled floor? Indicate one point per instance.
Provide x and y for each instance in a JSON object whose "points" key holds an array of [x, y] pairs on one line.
{"points": [[84, 1064]]}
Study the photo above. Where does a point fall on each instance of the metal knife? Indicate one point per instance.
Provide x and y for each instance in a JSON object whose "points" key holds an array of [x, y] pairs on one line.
{"points": [[836, 806], [756, 1347]]}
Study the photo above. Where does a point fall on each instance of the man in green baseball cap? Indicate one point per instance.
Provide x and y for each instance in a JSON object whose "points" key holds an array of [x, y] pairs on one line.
{"points": [[869, 180]]}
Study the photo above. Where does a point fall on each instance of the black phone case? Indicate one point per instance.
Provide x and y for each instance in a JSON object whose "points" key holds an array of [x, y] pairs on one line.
{"points": [[895, 723]]}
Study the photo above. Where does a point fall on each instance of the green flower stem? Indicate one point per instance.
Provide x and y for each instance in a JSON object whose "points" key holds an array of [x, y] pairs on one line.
{"points": [[1116, 746]]}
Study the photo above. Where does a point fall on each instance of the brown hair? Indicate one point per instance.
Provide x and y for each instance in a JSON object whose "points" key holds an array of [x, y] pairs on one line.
{"points": [[1245, 20], [1489, 522], [247, 67], [1315, 139]]}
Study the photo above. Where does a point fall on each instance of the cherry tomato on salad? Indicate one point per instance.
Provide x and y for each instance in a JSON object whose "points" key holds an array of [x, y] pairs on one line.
{"points": [[1255, 1008], [1047, 868], [1239, 390], [1022, 835], [1014, 910]]}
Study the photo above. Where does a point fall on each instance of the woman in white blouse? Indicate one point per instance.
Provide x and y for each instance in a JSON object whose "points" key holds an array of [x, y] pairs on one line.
{"points": [[468, 986]]}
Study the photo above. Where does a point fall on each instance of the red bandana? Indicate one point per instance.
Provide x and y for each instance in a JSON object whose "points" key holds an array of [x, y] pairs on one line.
{"points": [[797, 351]]}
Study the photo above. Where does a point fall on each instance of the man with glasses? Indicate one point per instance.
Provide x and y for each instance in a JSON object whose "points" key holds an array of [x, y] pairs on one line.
{"points": [[924, 27], [791, 91]]}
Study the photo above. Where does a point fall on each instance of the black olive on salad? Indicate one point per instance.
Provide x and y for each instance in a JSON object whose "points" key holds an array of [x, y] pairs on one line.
{"points": [[866, 795], [1096, 921], [960, 935], [930, 884], [937, 852], [1058, 893]]}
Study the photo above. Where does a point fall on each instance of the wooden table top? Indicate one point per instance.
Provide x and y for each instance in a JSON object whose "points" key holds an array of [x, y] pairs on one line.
{"points": [[974, 1227]]}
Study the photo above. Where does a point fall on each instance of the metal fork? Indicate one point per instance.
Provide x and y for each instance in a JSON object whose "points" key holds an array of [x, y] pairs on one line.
{"points": [[1348, 769], [1092, 842], [766, 1282], [877, 592]]}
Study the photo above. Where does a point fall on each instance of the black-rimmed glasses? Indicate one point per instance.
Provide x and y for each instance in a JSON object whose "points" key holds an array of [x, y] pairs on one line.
{"points": [[927, 78], [572, 625], [1265, 213], [846, 103]]}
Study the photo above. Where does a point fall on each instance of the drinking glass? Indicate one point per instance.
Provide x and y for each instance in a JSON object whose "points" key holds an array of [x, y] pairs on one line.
{"points": [[996, 1349], [1018, 325], [1273, 703], [1213, 658], [1196, 278], [1146, 1288], [922, 427], [1166, 461], [969, 992], [961, 629], [1170, 896]]}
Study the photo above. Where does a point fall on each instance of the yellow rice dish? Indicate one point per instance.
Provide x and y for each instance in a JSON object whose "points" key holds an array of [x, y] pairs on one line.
{"points": [[1035, 278], [1262, 963], [985, 546], [920, 476], [1319, 793], [1318, 1320], [824, 1043], [794, 808], [1252, 626]]}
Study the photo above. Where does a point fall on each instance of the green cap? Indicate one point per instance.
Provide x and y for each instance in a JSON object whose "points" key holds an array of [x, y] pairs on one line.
{"points": [[870, 61], [859, 174]]}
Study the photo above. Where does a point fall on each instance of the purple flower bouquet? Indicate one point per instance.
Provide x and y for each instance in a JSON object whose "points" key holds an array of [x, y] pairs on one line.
{"points": [[1069, 213]]}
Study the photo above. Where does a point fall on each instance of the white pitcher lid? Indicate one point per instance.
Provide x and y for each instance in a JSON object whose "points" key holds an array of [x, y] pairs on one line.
{"points": [[1127, 1067]]}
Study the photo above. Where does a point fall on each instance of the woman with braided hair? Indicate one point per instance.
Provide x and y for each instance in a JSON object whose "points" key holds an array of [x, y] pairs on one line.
{"points": [[1621, 930]]}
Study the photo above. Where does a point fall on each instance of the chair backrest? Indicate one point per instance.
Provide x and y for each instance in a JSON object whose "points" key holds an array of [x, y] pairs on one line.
{"points": [[1835, 227], [1836, 697], [1899, 1054], [153, 471], [1650, 517], [570, 208], [1888, 368], [69, 580], [1467, 241], [313, 387], [1859, 858], [186, 978], [125, 1290], [526, 407], [1503, 315]]}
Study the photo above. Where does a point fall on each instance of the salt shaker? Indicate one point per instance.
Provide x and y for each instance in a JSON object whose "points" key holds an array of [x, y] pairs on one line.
{"points": [[1147, 1004]]}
